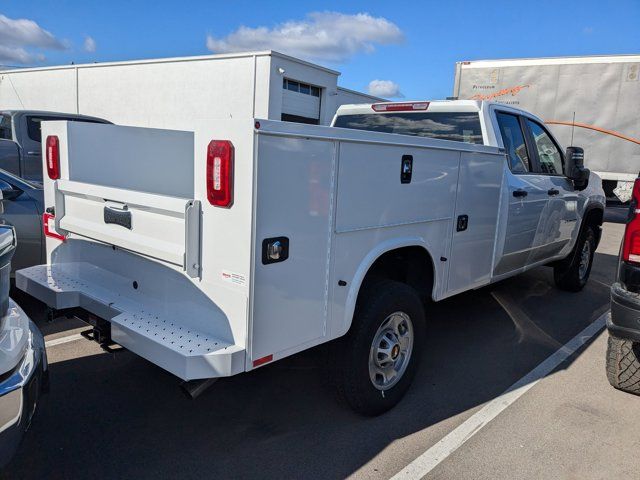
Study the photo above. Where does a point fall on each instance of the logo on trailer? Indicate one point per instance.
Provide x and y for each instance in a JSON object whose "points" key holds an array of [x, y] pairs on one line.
{"points": [[513, 91]]}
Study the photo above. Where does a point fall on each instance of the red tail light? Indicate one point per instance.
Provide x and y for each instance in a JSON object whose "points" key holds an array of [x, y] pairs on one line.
{"points": [[53, 157], [49, 227], [631, 245], [220, 173]]}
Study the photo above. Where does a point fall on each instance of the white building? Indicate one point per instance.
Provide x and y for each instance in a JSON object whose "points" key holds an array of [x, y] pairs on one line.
{"points": [[175, 92]]}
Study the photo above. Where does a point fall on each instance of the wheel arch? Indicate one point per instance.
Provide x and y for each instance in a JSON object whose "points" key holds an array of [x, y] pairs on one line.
{"points": [[417, 265], [593, 216]]}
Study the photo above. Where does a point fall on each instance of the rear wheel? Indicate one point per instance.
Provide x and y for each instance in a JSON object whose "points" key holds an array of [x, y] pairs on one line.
{"points": [[377, 360], [573, 273], [623, 365]]}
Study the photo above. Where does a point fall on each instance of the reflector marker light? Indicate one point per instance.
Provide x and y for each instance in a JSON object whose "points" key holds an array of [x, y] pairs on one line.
{"points": [[262, 361]]}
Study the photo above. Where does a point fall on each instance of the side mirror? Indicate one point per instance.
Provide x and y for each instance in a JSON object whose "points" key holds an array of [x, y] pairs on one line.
{"points": [[8, 191], [575, 170]]}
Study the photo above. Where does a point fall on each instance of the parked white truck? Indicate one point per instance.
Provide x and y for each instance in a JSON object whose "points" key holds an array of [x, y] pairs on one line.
{"points": [[214, 252], [592, 101]]}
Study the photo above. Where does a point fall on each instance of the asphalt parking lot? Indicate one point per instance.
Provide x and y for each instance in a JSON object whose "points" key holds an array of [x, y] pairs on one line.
{"points": [[114, 415]]}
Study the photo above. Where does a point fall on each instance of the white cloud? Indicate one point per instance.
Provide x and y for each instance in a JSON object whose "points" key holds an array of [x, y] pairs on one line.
{"points": [[385, 88], [16, 34], [330, 36], [89, 44], [9, 56], [587, 30]]}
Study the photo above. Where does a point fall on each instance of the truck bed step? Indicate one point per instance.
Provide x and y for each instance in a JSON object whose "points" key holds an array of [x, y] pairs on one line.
{"points": [[187, 352]]}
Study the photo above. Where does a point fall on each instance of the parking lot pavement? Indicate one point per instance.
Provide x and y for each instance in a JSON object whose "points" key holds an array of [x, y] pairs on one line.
{"points": [[118, 416], [571, 425]]}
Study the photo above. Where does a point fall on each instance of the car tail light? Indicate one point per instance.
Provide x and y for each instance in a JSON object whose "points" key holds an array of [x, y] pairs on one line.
{"points": [[220, 173], [631, 244], [48, 223], [399, 107], [53, 157]]}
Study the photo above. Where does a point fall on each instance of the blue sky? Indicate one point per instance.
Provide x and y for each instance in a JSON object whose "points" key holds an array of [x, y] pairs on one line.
{"points": [[411, 45]]}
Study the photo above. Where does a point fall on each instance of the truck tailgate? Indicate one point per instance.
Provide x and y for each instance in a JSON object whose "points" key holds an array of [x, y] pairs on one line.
{"points": [[154, 225], [137, 193]]}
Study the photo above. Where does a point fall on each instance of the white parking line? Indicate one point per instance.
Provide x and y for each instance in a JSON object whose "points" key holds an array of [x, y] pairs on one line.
{"points": [[456, 438], [61, 340], [601, 283]]}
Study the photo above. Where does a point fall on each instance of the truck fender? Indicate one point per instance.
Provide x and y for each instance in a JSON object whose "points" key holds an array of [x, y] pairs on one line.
{"points": [[591, 206], [363, 269]]}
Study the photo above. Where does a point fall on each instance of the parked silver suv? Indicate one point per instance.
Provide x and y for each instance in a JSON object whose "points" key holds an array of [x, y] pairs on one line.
{"points": [[23, 359]]}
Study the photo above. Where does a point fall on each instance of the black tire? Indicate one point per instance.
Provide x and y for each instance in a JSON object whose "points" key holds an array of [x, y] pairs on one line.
{"points": [[350, 359], [623, 365], [567, 274]]}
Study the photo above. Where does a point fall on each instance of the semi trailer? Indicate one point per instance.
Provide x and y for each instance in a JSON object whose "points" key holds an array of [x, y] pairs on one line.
{"points": [[590, 101]]}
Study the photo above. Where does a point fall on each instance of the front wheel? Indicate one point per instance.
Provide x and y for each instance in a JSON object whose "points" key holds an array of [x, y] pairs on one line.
{"points": [[573, 273], [378, 358]]}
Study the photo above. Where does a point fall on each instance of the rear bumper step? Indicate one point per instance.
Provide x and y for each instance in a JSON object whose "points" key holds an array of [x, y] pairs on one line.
{"points": [[168, 342]]}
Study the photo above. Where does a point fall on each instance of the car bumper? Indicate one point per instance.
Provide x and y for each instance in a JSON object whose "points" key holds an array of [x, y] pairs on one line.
{"points": [[21, 387], [624, 321]]}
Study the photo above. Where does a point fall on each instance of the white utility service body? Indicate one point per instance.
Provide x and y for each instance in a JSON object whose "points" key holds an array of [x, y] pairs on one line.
{"points": [[201, 291]]}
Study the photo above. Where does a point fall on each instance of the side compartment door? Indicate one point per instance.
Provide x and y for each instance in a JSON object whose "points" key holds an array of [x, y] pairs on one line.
{"points": [[526, 199], [560, 220], [293, 214], [475, 221]]}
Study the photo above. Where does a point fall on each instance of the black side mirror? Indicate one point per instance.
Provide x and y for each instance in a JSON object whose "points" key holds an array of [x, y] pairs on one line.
{"points": [[8, 191], [575, 170]]}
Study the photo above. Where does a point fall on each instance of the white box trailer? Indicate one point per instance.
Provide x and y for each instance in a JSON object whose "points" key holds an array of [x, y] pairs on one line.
{"points": [[602, 92], [217, 251], [176, 93]]}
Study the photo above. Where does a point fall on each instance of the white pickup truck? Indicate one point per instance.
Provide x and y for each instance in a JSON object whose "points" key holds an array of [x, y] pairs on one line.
{"points": [[214, 252]]}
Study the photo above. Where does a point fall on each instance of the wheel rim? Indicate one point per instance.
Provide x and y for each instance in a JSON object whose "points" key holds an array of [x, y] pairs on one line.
{"points": [[391, 350], [585, 258]]}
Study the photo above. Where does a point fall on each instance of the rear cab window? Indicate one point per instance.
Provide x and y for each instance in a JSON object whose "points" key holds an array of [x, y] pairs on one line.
{"points": [[455, 126]]}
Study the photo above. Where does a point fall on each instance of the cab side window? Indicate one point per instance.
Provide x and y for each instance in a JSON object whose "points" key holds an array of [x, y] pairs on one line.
{"points": [[549, 156], [514, 144]]}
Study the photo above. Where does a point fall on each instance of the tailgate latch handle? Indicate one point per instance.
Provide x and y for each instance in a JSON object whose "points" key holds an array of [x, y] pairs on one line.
{"points": [[118, 216]]}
